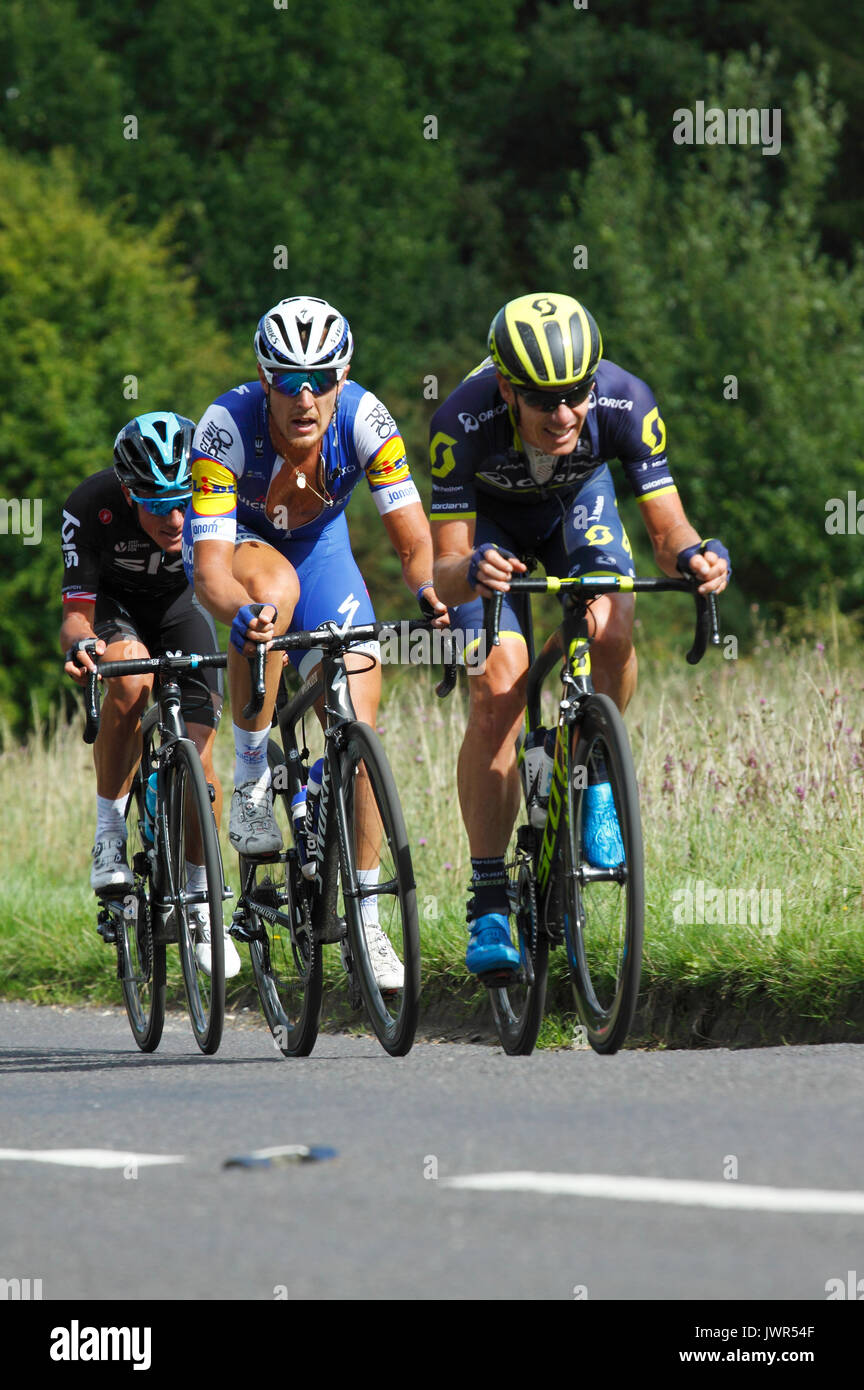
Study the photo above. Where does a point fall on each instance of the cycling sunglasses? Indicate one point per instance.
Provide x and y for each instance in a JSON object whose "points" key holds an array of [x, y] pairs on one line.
{"points": [[547, 401], [162, 506], [292, 383]]}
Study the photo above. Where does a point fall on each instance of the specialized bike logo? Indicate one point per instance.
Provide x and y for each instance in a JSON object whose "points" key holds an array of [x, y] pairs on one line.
{"points": [[732, 127]]}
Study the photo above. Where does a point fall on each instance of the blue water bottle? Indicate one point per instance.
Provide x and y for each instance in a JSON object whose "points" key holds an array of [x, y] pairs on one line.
{"points": [[150, 807]]}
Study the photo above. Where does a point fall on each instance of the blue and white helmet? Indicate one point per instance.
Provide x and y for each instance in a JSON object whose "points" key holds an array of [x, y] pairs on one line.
{"points": [[153, 451], [303, 332]]}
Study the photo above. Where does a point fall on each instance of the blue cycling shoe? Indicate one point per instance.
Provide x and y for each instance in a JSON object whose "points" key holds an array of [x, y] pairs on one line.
{"points": [[489, 946], [601, 835]]}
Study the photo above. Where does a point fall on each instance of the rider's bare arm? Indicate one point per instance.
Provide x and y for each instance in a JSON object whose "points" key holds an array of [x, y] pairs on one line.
{"points": [[215, 584], [454, 549], [77, 626], [671, 532], [408, 529]]}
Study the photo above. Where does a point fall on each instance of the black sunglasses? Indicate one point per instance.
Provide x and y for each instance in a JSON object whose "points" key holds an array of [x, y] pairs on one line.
{"points": [[547, 401]]}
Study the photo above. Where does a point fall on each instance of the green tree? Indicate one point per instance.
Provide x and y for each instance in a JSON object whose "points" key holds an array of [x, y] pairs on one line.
{"points": [[698, 280], [89, 313]]}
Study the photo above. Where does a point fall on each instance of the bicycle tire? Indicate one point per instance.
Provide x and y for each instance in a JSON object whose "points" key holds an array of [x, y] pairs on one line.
{"points": [[393, 1013], [517, 1007], [288, 969], [188, 805], [141, 961], [603, 920]]}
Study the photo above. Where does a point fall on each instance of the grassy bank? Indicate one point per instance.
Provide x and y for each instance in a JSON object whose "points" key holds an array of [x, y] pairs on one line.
{"points": [[750, 773]]}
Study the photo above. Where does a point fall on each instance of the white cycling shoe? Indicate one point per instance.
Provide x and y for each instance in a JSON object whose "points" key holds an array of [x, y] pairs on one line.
{"points": [[386, 966], [199, 918], [252, 827], [110, 869]]}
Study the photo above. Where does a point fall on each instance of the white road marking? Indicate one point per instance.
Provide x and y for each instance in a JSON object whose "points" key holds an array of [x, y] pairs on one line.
{"points": [[89, 1158], [727, 1195]]}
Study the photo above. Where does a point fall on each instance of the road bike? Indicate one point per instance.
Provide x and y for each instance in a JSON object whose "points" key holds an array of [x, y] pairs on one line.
{"points": [[557, 896], [353, 827], [142, 921]]}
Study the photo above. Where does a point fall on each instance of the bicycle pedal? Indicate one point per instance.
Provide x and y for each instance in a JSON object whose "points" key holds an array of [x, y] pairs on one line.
{"points": [[106, 929], [241, 932], [498, 979]]}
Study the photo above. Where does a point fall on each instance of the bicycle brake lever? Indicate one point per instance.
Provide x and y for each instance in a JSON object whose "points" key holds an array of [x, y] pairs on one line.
{"points": [[93, 700], [707, 628], [447, 683], [256, 674], [492, 619]]}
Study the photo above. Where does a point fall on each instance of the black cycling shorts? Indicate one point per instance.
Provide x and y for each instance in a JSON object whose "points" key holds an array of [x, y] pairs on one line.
{"points": [[170, 623]]}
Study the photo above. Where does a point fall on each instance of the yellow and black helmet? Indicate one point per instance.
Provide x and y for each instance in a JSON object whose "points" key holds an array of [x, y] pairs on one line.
{"points": [[545, 340]]}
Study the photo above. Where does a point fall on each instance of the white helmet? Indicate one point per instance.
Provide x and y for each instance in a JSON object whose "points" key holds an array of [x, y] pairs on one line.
{"points": [[303, 332]]}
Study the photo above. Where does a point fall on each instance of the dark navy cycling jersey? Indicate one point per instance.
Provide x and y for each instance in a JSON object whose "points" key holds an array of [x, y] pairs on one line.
{"points": [[106, 551], [480, 463], [235, 461]]}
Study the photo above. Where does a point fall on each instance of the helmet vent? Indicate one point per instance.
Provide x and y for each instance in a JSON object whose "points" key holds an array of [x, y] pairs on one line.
{"points": [[555, 339]]}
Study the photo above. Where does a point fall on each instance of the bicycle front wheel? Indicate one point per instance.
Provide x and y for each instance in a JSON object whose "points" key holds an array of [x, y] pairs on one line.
{"points": [[518, 1006], [285, 953], [381, 913], [141, 960], [193, 845], [604, 894]]}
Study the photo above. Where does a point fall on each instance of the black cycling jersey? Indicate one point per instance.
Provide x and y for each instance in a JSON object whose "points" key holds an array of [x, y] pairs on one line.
{"points": [[105, 549]]}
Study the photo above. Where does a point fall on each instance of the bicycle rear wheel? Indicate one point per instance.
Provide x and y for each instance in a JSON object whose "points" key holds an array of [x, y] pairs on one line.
{"points": [[141, 961], [375, 838], [603, 907], [517, 1007], [191, 829], [286, 960]]}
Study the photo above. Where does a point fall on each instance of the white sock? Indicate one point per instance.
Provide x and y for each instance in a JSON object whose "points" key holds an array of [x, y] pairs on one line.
{"points": [[111, 816], [196, 878], [368, 878], [250, 757]]}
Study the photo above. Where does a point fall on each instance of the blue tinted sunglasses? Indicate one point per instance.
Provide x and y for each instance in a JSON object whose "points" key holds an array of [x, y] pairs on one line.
{"points": [[162, 506], [292, 383]]}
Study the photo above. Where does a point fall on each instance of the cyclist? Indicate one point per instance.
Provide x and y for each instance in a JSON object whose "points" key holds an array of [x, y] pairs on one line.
{"points": [[125, 595], [274, 464], [519, 463]]}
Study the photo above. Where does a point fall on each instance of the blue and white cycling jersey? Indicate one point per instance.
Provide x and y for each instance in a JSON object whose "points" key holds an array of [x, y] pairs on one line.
{"points": [[234, 463]]}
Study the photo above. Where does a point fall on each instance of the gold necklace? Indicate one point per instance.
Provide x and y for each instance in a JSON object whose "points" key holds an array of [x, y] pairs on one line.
{"points": [[300, 478], [302, 481]]}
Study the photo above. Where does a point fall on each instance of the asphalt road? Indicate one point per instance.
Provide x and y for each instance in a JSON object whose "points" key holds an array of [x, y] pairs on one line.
{"points": [[381, 1220]]}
